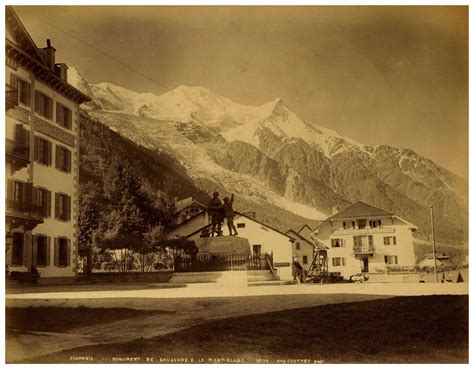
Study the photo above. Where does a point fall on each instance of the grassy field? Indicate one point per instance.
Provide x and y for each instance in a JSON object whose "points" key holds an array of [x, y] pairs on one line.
{"points": [[425, 329], [62, 319]]}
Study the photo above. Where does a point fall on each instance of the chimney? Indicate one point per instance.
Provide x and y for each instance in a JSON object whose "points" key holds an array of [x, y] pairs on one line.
{"points": [[49, 53], [335, 210], [61, 71]]}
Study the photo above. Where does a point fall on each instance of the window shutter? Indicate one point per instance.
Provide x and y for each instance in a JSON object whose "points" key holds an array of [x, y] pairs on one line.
{"points": [[27, 248], [48, 204], [48, 250], [69, 119], [58, 113], [56, 205], [28, 195], [68, 252], [68, 208], [37, 148], [371, 240], [58, 157], [27, 86], [68, 160], [50, 153], [343, 261], [37, 101], [35, 197], [10, 194], [394, 240], [14, 87], [34, 260], [56, 251]]}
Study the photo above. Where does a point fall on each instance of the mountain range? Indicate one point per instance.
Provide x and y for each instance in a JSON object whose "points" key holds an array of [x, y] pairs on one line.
{"points": [[285, 168]]}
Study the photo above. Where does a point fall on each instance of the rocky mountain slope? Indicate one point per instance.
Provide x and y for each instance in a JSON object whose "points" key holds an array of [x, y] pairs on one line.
{"points": [[272, 159]]}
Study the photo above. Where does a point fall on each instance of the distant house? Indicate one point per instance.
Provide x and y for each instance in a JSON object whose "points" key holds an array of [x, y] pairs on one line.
{"points": [[442, 260], [363, 238], [262, 238], [187, 208], [302, 248]]}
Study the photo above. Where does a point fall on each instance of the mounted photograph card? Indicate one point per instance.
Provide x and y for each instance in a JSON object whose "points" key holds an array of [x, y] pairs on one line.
{"points": [[236, 184]]}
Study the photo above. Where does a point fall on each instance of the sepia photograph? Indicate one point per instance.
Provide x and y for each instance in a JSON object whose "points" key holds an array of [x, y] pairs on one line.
{"points": [[236, 184]]}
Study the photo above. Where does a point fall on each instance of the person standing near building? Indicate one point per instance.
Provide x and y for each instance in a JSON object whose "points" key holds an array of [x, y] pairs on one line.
{"points": [[229, 214], [215, 210]]}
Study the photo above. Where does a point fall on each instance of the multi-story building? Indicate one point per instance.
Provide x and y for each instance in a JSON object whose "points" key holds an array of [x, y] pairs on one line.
{"points": [[302, 248], [366, 239], [42, 157]]}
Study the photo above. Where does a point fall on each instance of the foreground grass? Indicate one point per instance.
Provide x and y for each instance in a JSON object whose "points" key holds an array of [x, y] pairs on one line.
{"points": [[62, 319], [427, 329]]}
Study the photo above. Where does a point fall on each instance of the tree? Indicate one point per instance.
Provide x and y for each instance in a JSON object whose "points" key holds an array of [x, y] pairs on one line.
{"points": [[134, 220], [91, 204]]}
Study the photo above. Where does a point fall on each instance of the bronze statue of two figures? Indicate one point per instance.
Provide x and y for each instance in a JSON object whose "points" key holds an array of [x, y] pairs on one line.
{"points": [[218, 211]]}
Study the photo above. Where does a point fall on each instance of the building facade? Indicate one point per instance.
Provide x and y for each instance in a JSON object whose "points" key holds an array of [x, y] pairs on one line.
{"points": [[262, 239], [42, 157], [366, 239], [302, 249]]}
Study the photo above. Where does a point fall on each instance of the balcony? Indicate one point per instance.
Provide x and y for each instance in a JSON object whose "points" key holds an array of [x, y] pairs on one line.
{"points": [[23, 214], [367, 230], [364, 250], [11, 98], [17, 154]]}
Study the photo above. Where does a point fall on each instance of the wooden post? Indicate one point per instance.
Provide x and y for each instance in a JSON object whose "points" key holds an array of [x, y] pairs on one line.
{"points": [[434, 245]]}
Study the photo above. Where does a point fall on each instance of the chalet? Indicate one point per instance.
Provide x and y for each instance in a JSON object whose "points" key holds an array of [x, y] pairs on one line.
{"points": [[187, 208], [42, 157], [366, 239], [302, 248], [262, 239]]}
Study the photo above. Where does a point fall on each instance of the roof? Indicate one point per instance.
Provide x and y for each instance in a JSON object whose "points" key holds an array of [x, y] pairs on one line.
{"points": [[186, 206], [24, 51], [299, 235], [361, 209], [236, 212]]}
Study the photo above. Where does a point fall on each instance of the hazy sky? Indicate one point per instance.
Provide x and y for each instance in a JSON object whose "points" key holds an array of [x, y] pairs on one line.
{"points": [[380, 75]]}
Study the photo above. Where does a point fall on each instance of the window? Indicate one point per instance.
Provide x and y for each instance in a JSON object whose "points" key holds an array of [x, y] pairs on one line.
{"points": [[305, 259], [338, 242], [43, 105], [363, 240], [391, 259], [63, 116], [63, 159], [19, 195], [17, 249], [391, 240], [43, 151], [348, 225], [240, 225], [41, 244], [42, 198], [298, 246], [336, 262], [361, 223], [375, 223], [257, 249], [63, 207], [61, 252], [22, 89], [22, 140]]}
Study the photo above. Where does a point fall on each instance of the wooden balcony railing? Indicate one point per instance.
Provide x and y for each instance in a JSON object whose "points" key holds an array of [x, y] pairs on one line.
{"points": [[362, 250]]}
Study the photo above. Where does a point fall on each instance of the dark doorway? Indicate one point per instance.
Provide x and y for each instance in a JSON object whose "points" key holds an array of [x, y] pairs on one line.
{"points": [[365, 265]]}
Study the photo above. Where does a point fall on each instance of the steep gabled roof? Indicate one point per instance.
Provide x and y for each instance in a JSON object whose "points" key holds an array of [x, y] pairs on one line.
{"points": [[299, 235], [304, 227], [236, 212], [361, 209]]}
